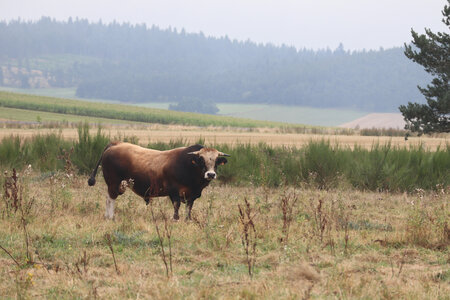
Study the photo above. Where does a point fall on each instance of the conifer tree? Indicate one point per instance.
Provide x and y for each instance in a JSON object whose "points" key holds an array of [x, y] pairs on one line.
{"points": [[432, 51]]}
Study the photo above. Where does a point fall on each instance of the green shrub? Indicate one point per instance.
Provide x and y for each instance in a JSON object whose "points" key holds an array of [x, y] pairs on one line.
{"points": [[88, 149], [323, 164], [11, 152], [41, 151]]}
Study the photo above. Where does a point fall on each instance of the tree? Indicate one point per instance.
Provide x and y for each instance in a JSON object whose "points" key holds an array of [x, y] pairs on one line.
{"points": [[432, 51]]}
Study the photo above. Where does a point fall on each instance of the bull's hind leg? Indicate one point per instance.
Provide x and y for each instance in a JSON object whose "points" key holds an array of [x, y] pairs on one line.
{"points": [[109, 211], [110, 201]]}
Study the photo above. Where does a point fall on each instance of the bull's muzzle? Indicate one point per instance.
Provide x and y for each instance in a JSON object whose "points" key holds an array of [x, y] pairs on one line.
{"points": [[210, 175]]}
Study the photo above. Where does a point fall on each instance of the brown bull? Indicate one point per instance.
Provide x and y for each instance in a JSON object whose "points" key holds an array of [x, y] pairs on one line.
{"points": [[180, 173]]}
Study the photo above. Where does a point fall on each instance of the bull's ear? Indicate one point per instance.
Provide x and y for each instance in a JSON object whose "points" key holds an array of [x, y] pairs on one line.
{"points": [[194, 157], [221, 161]]}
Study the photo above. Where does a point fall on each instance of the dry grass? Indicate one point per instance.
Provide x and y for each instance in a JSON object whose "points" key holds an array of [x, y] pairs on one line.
{"points": [[146, 134], [397, 245]]}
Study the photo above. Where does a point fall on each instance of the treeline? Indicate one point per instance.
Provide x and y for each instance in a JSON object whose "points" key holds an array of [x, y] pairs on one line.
{"points": [[320, 164], [136, 63]]}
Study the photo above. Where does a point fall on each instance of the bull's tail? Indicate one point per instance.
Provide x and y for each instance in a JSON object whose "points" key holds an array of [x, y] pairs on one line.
{"points": [[91, 180]]}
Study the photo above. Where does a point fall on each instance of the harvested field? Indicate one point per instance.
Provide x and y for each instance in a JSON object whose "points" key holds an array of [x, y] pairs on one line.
{"points": [[377, 120], [211, 135]]}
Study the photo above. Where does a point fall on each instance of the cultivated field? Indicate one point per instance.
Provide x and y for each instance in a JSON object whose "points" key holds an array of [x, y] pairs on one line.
{"points": [[277, 113], [307, 243], [123, 112]]}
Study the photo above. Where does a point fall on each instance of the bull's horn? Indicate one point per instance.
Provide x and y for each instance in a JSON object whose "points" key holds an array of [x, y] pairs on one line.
{"points": [[195, 152], [223, 154]]}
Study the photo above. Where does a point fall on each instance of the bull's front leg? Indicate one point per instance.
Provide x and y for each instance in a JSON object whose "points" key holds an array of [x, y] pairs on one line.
{"points": [[176, 205], [189, 204]]}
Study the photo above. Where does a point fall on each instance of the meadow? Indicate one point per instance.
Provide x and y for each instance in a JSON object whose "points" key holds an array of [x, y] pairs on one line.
{"points": [[291, 216], [243, 243]]}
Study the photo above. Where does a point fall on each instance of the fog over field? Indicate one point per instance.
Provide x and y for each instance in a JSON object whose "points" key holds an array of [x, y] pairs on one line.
{"points": [[206, 56]]}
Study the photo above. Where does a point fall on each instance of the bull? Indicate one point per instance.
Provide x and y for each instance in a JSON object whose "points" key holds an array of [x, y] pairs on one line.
{"points": [[181, 173]]}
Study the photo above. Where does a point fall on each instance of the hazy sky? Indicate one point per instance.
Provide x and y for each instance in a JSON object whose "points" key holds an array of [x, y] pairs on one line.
{"points": [[313, 24]]}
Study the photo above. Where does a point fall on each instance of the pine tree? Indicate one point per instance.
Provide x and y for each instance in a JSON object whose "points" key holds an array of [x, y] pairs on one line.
{"points": [[432, 51]]}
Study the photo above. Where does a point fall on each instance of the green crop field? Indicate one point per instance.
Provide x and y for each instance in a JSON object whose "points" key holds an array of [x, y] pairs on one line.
{"points": [[262, 112], [123, 112]]}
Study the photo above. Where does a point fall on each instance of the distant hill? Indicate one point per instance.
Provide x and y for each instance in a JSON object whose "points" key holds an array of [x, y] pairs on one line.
{"points": [[136, 63]]}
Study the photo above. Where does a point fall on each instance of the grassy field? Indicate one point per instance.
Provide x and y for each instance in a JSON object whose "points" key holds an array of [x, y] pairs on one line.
{"points": [[32, 116], [290, 114], [324, 244], [68, 93]]}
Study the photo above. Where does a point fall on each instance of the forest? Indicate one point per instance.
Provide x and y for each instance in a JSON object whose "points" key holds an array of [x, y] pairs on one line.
{"points": [[137, 63]]}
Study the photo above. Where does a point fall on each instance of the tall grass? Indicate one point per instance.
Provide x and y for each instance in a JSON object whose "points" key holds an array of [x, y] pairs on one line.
{"points": [[382, 168], [45, 152], [88, 149], [41, 151], [319, 163]]}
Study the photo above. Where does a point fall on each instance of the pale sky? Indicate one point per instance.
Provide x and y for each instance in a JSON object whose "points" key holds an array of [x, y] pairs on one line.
{"points": [[311, 24]]}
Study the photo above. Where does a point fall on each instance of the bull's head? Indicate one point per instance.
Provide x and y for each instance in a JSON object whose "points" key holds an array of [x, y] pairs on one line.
{"points": [[208, 159]]}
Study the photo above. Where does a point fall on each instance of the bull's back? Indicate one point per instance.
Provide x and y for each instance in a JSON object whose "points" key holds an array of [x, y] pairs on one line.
{"points": [[146, 167]]}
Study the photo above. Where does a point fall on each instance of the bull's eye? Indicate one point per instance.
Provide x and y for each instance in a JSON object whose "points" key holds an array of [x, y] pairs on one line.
{"points": [[193, 162]]}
